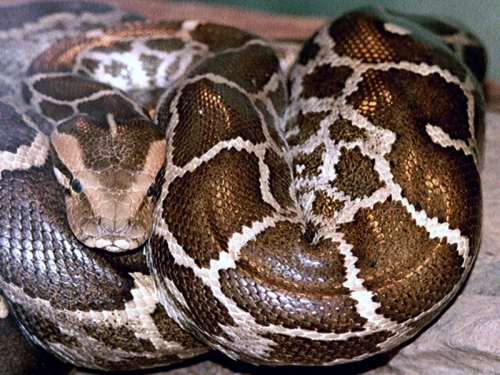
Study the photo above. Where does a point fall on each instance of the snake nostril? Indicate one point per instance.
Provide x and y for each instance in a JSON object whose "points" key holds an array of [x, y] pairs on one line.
{"points": [[132, 224]]}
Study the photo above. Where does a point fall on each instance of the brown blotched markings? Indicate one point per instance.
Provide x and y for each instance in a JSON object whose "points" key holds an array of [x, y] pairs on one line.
{"points": [[432, 177], [171, 332], [219, 38], [200, 107], [217, 199], [280, 179], [326, 205], [122, 109], [61, 57], [68, 87], [361, 184], [379, 262], [197, 296], [93, 55], [308, 165], [91, 65], [97, 108], [285, 307], [383, 94], [112, 63], [307, 124], [40, 326], [395, 255], [302, 350], [283, 279], [165, 45], [56, 112], [344, 130], [368, 40], [61, 96], [242, 68], [313, 84], [150, 65], [119, 338]]}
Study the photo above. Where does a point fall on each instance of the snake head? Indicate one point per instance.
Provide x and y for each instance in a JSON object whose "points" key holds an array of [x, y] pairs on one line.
{"points": [[108, 171]]}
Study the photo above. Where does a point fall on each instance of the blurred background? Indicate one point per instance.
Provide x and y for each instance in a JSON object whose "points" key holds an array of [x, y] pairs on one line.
{"points": [[480, 16]]}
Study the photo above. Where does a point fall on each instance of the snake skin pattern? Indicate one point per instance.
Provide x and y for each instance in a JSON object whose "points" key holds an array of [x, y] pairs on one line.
{"points": [[309, 215]]}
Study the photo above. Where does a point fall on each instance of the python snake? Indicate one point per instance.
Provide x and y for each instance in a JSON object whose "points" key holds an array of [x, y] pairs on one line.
{"points": [[312, 217]]}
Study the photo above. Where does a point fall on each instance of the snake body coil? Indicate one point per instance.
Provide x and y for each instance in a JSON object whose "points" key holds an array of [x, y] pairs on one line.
{"points": [[311, 217]]}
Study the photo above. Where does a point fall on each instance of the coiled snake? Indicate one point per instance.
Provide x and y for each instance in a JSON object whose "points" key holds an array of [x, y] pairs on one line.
{"points": [[309, 218]]}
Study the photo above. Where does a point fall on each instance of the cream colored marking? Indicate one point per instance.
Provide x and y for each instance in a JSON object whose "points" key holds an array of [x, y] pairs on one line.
{"points": [[287, 52], [439, 230], [239, 144], [69, 151], [112, 125], [396, 29], [26, 157], [4, 311], [443, 139], [459, 41], [135, 77], [61, 178], [38, 97], [190, 25]]}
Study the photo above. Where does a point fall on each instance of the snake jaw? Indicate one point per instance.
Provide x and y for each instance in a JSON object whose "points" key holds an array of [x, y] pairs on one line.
{"points": [[121, 222], [115, 246], [108, 239]]}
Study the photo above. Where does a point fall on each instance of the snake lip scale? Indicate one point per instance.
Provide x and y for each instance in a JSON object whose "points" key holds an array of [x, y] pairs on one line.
{"points": [[170, 187]]}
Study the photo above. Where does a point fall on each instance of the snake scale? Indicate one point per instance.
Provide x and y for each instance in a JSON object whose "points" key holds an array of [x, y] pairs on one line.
{"points": [[170, 187]]}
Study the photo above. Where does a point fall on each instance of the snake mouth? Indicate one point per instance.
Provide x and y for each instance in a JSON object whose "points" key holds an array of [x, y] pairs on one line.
{"points": [[116, 245], [115, 236]]}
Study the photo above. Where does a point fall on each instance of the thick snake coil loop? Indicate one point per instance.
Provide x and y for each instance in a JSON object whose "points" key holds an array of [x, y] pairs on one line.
{"points": [[309, 218]]}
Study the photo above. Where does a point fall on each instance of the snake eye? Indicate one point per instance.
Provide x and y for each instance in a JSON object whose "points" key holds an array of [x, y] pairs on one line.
{"points": [[151, 190], [77, 186]]}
